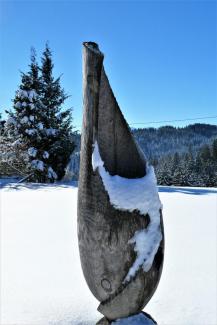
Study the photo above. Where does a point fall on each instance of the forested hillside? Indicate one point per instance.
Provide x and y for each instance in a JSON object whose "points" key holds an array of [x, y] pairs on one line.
{"points": [[181, 156], [159, 142]]}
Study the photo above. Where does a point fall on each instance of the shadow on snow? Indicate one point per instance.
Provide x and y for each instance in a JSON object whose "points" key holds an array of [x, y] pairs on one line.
{"points": [[15, 185], [187, 190]]}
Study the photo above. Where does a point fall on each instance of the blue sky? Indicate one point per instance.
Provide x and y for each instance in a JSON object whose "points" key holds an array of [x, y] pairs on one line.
{"points": [[160, 56]]}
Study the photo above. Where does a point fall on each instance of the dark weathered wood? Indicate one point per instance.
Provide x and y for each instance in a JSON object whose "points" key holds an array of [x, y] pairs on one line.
{"points": [[104, 231], [103, 321], [118, 149]]}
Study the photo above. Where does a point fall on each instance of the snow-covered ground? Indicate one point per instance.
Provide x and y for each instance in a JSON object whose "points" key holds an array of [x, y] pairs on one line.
{"points": [[41, 277]]}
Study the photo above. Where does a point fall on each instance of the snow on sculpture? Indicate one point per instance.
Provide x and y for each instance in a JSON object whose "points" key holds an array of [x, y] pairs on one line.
{"points": [[120, 229], [135, 194]]}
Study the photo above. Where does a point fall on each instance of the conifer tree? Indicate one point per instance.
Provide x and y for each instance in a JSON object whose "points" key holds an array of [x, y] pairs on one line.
{"points": [[38, 131], [214, 150], [59, 121], [188, 169], [2, 123], [205, 153], [31, 80], [26, 127], [175, 162]]}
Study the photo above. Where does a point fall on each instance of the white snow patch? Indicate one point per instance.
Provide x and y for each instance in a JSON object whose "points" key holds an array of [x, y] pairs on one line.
{"points": [[30, 131], [17, 104], [31, 118], [32, 94], [28, 94], [11, 120], [146, 243], [139, 319], [51, 173], [40, 126], [135, 194], [96, 158], [22, 93], [16, 143], [24, 120], [32, 106], [45, 155], [50, 131], [32, 151], [24, 104], [59, 116], [37, 164]]}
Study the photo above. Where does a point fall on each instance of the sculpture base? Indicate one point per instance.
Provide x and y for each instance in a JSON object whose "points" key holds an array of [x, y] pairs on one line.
{"points": [[139, 319]]}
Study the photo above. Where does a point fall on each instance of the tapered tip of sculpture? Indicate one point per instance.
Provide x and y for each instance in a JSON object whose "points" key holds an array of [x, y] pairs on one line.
{"points": [[94, 47]]}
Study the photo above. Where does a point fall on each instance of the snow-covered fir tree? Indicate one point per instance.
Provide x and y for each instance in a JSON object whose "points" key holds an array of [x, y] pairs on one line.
{"points": [[30, 116], [12, 151], [37, 127], [26, 127], [59, 124]]}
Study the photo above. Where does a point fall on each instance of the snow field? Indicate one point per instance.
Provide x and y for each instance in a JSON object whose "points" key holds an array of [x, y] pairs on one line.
{"points": [[41, 278]]}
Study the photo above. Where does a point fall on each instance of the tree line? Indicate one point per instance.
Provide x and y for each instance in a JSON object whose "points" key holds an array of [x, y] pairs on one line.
{"points": [[36, 140], [183, 156], [166, 140], [188, 169]]}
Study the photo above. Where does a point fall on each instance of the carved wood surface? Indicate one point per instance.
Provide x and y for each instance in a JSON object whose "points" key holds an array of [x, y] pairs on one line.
{"points": [[103, 231]]}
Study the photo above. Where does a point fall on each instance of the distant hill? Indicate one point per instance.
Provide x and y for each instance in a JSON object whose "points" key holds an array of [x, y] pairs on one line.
{"points": [[166, 140], [159, 142]]}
